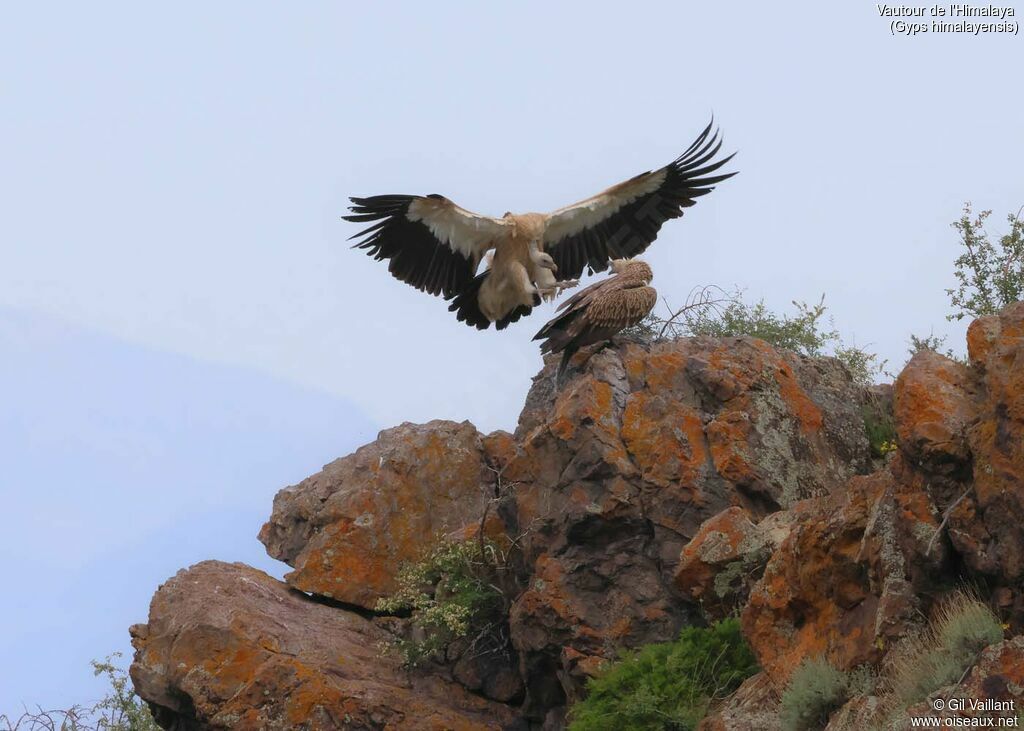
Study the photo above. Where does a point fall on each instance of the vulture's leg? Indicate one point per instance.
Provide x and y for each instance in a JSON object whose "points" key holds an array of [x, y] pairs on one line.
{"points": [[550, 290], [530, 294]]}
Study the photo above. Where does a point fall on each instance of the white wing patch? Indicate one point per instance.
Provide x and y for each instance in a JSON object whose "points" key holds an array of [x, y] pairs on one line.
{"points": [[460, 230], [571, 220]]}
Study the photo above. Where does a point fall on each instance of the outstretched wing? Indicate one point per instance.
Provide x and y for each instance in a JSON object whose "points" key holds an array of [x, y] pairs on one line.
{"points": [[431, 243], [622, 221]]}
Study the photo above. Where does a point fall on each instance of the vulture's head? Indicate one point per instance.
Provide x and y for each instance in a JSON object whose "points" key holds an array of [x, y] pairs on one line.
{"points": [[633, 268], [543, 260]]}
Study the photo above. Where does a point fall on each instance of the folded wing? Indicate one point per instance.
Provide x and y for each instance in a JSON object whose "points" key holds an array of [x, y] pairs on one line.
{"points": [[597, 313], [622, 221], [429, 241]]}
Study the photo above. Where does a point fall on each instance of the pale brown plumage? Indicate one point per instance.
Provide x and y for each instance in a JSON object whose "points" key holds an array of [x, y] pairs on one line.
{"points": [[437, 246], [600, 311]]}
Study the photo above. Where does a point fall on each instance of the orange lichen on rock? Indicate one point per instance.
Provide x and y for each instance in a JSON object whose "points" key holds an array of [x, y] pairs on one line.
{"points": [[202, 658], [606, 478], [932, 409], [665, 438], [348, 530], [719, 565], [729, 440], [718, 543], [997, 437], [657, 485], [800, 404], [841, 584]]}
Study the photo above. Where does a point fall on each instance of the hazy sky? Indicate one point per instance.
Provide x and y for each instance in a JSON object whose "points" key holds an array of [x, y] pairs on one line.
{"points": [[120, 465], [173, 178]]}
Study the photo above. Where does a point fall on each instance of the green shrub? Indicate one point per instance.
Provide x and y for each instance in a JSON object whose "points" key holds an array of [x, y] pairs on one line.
{"points": [[667, 685], [988, 278], [802, 333], [880, 429], [450, 594], [935, 344], [961, 629], [816, 690], [714, 312], [863, 366]]}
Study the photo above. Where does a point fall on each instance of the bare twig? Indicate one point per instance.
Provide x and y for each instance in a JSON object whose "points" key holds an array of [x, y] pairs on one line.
{"points": [[945, 519], [705, 297]]}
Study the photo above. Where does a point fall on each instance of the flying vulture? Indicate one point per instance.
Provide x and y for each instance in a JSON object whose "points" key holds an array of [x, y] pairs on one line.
{"points": [[600, 311], [437, 246]]}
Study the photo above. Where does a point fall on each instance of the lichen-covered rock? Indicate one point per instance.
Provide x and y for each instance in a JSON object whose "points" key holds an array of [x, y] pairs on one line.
{"points": [[753, 707], [961, 436], [933, 409], [846, 581], [603, 483], [347, 530], [996, 348], [228, 647], [728, 554], [618, 469]]}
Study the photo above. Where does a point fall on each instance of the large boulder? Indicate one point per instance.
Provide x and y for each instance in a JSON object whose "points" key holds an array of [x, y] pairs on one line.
{"points": [[720, 565], [961, 431], [347, 530], [617, 470], [848, 580], [933, 409], [604, 481], [228, 647], [997, 438]]}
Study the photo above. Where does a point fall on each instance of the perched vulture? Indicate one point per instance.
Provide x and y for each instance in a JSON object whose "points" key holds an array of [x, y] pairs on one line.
{"points": [[436, 246], [600, 311]]}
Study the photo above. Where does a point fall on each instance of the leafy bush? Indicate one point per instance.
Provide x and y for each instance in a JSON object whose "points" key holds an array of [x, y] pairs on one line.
{"points": [[863, 366], [989, 277], [714, 312], [667, 685], [961, 629], [930, 342], [816, 690], [120, 710], [802, 333], [935, 344], [450, 595]]}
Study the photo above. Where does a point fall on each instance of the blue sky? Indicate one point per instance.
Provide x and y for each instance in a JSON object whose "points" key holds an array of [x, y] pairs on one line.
{"points": [[174, 177]]}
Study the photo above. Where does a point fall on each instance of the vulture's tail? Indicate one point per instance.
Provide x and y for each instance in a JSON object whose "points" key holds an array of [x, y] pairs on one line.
{"points": [[567, 355]]}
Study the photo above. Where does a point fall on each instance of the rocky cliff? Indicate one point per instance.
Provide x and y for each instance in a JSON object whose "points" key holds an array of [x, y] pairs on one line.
{"points": [[663, 484]]}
